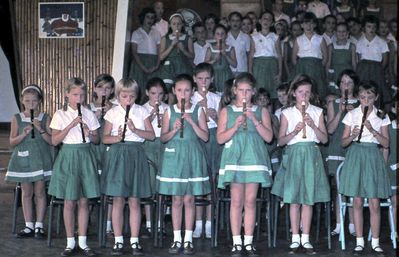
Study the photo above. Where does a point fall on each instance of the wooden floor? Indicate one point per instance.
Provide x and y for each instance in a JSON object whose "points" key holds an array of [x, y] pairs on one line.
{"points": [[10, 246]]}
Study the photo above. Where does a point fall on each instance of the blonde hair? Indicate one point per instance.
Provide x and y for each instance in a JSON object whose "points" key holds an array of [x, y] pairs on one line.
{"points": [[75, 82], [127, 84]]}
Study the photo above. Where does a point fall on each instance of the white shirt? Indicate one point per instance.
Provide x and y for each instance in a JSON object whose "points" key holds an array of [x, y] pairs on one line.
{"points": [[336, 46], [213, 101], [200, 52], [278, 113], [309, 48], [154, 122], [328, 39], [242, 45], [294, 116], [116, 116], [354, 118], [146, 43], [319, 9], [371, 50], [62, 119], [191, 110], [162, 26], [265, 46]]}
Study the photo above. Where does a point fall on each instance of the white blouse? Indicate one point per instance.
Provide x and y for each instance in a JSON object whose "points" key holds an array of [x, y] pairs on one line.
{"points": [[265, 46], [162, 108], [242, 46], [294, 116], [371, 50], [146, 43], [116, 116], [62, 119], [213, 101], [200, 52], [354, 118], [309, 48]]}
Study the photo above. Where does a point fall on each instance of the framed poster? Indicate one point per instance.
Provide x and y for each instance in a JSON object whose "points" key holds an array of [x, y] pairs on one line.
{"points": [[61, 20]]}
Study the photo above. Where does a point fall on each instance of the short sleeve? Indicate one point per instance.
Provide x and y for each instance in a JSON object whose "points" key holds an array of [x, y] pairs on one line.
{"points": [[94, 124], [384, 47], [386, 121], [56, 121], [347, 120], [109, 116], [248, 43], [135, 37], [144, 112]]}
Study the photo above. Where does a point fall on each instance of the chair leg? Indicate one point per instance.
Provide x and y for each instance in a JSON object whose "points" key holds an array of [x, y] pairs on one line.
{"points": [[275, 221], [268, 218], [392, 225], [217, 222], [287, 221], [50, 222], [59, 213], [15, 207], [342, 219], [318, 212], [328, 215], [100, 223]]}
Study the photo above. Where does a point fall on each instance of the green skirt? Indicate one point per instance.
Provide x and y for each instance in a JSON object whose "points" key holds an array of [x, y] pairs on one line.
{"points": [[213, 152], [126, 172], [301, 178], [265, 70], [99, 153], [175, 65], [30, 162], [364, 172], [245, 160], [154, 152], [372, 70], [184, 169], [75, 173], [313, 68], [221, 74], [136, 73]]}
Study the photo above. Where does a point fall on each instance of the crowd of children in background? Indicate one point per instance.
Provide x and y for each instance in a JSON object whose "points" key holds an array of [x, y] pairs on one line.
{"points": [[318, 81]]}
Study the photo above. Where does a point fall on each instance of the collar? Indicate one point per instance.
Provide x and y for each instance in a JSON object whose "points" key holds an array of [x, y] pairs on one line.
{"points": [[181, 37]]}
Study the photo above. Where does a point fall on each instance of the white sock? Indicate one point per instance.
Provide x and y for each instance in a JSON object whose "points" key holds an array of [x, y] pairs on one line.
{"points": [[71, 242], [177, 236], [29, 225], [296, 239], [39, 224], [337, 228], [351, 228], [188, 236], [374, 243], [248, 241], [148, 225], [82, 242], [237, 241], [198, 225], [109, 226], [360, 242], [134, 240], [305, 241], [208, 226], [118, 239]]}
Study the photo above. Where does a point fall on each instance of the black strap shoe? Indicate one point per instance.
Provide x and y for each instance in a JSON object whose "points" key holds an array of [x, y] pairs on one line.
{"points": [[377, 251], [117, 250], [236, 251], [358, 251], [250, 250], [137, 250], [24, 234], [188, 248], [88, 251], [175, 248], [68, 252], [39, 233], [309, 250]]}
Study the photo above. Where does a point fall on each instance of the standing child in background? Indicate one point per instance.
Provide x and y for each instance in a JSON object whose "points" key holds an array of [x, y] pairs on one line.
{"points": [[372, 9], [345, 9], [341, 56], [337, 107], [222, 56], [160, 24], [243, 127], [75, 177], [200, 44], [145, 44], [364, 173], [301, 180], [282, 96], [155, 92], [203, 77], [355, 30], [103, 92], [265, 61], [247, 26], [295, 31], [210, 22], [176, 49], [126, 171], [184, 124], [309, 54], [373, 57], [240, 41], [329, 26], [30, 163]]}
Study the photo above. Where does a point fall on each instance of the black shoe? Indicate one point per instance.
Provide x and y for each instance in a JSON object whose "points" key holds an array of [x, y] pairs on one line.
{"points": [[175, 248], [379, 253], [250, 250], [146, 233], [88, 251], [188, 248], [236, 251], [39, 233], [117, 249], [358, 251], [294, 247], [308, 250], [137, 250], [68, 252], [24, 234]]}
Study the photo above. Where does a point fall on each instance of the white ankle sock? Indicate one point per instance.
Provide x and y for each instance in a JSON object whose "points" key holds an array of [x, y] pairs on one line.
{"points": [[29, 225], [39, 224], [82, 242], [305, 241], [337, 228], [351, 228], [188, 236], [374, 243], [71, 242], [177, 236], [208, 226], [119, 239], [148, 225], [134, 240], [296, 239], [360, 241], [109, 226], [198, 225], [237, 241], [248, 241]]}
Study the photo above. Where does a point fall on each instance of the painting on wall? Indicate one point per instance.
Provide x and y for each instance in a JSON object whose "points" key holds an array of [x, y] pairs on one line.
{"points": [[61, 20]]}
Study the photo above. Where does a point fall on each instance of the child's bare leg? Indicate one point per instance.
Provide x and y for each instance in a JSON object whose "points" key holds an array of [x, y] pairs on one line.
{"points": [[135, 216], [251, 190], [27, 193], [118, 204], [40, 200]]}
